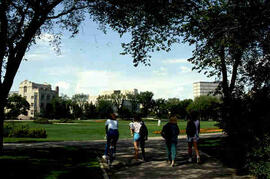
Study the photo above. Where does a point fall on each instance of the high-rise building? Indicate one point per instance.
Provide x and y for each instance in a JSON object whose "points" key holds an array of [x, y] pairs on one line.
{"points": [[37, 95], [204, 88]]}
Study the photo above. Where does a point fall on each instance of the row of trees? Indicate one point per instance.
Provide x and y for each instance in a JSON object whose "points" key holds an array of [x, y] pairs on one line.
{"points": [[207, 107], [126, 106]]}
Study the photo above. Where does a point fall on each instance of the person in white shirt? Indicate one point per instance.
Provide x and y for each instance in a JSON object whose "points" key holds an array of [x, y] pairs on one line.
{"points": [[112, 133], [139, 136]]}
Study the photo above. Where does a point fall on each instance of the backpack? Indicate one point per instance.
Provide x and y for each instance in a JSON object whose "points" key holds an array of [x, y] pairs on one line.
{"points": [[143, 131], [191, 129]]}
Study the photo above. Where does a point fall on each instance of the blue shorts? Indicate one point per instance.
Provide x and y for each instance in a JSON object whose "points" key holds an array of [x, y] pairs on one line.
{"points": [[136, 137]]}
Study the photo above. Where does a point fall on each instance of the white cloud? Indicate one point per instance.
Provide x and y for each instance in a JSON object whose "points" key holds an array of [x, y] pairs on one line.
{"points": [[173, 61], [93, 82], [60, 71], [63, 85], [162, 71], [185, 69]]}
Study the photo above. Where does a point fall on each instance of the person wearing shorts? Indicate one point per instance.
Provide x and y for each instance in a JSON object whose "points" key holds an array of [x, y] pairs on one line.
{"points": [[138, 138], [193, 137]]}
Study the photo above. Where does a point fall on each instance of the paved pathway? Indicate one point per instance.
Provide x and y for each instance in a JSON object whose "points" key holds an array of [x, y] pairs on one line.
{"points": [[156, 167]]}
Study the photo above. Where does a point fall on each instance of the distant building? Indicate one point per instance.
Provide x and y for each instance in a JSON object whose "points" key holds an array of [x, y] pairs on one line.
{"points": [[37, 95], [204, 88]]}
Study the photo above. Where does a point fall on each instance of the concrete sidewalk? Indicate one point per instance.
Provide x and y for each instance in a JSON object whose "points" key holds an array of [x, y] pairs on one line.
{"points": [[156, 167]]}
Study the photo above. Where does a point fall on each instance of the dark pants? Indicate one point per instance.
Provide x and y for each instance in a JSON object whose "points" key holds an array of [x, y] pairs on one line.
{"points": [[142, 144], [112, 138]]}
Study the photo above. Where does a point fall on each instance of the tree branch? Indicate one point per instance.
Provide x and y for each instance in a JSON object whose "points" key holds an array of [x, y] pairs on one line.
{"points": [[73, 8]]}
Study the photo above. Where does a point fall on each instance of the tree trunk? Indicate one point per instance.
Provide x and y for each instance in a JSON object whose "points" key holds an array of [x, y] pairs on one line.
{"points": [[2, 117]]}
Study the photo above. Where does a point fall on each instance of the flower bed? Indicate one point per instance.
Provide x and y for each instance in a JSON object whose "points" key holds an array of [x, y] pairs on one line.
{"points": [[207, 130]]}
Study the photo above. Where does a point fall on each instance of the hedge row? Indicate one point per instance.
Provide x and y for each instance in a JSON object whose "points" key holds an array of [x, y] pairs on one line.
{"points": [[24, 131]]}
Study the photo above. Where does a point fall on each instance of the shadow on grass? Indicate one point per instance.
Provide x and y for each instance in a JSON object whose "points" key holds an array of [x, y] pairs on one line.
{"points": [[62, 162], [229, 155]]}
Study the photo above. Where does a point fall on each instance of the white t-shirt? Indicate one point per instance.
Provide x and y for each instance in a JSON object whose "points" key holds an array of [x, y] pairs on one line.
{"points": [[136, 126], [112, 124]]}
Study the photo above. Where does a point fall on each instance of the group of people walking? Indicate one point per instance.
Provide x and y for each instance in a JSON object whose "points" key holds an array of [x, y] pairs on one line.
{"points": [[170, 132]]}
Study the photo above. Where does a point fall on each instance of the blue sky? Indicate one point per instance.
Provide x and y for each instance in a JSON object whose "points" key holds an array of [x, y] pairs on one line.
{"points": [[91, 63]]}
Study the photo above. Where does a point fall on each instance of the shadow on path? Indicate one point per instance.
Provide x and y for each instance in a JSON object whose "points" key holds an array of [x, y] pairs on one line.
{"points": [[156, 167]]}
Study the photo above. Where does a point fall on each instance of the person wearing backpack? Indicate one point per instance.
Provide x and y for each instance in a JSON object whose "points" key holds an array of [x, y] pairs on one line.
{"points": [[170, 133], [140, 135], [192, 131]]}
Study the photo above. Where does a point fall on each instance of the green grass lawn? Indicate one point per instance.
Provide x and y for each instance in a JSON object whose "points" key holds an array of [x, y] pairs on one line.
{"points": [[91, 130]]}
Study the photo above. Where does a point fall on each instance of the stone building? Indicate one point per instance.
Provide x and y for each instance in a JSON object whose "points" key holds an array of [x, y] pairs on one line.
{"points": [[37, 95], [204, 88]]}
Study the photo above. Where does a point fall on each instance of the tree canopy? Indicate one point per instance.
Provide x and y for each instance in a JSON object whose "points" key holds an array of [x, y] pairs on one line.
{"points": [[16, 105]]}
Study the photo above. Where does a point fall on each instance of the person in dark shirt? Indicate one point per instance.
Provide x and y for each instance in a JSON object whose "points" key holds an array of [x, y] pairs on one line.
{"points": [[193, 131], [170, 133]]}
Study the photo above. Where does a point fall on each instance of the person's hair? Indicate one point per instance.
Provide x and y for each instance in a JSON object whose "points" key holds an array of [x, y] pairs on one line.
{"points": [[112, 116], [173, 119], [137, 118], [193, 116]]}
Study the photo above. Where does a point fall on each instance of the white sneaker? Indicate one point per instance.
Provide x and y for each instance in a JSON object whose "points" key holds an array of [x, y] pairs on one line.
{"points": [[104, 157], [198, 159], [189, 159]]}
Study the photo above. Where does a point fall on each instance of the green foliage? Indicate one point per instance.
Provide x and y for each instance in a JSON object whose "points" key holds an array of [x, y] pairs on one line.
{"points": [[147, 102], [178, 108], [90, 111], [16, 105], [59, 107], [134, 101], [258, 161], [21, 131], [207, 107], [104, 108], [125, 113], [160, 108], [42, 121], [65, 120], [249, 121]]}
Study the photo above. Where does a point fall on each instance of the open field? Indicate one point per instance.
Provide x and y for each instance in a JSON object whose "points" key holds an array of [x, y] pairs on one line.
{"points": [[92, 130]]}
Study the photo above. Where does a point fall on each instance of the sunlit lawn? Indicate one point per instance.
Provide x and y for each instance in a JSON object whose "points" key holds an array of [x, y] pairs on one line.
{"points": [[91, 130]]}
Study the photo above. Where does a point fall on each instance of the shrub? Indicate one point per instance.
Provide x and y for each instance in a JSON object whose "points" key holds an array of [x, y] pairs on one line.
{"points": [[259, 158], [24, 131], [37, 133], [7, 129], [42, 121], [65, 120]]}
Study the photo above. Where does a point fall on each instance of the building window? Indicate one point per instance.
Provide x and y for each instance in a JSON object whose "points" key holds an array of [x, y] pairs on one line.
{"points": [[32, 104], [32, 97], [32, 112], [42, 96], [48, 97], [25, 89]]}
